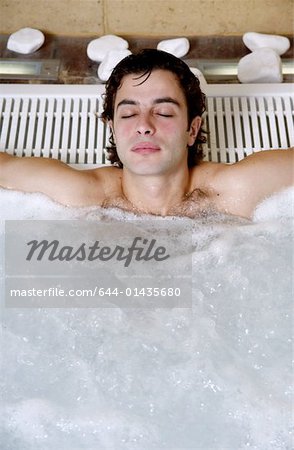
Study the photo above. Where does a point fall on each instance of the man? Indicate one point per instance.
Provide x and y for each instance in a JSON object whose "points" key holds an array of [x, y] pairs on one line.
{"points": [[153, 105]]}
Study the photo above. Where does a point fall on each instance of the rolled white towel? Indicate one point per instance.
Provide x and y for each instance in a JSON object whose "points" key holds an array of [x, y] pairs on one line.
{"points": [[110, 61], [98, 48], [178, 47], [254, 41], [263, 65], [25, 40]]}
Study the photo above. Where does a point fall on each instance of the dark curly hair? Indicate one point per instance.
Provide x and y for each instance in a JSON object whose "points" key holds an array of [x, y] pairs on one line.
{"points": [[144, 63]]}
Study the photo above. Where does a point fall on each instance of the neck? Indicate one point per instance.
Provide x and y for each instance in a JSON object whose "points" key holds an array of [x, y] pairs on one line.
{"points": [[155, 194]]}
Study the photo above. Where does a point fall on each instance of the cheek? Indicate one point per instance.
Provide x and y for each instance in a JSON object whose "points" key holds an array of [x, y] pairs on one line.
{"points": [[122, 131], [169, 127], [177, 136], [173, 132], [177, 128]]}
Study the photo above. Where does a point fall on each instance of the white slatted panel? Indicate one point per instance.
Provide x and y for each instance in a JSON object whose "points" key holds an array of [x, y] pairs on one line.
{"points": [[100, 137], [251, 121], [24, 116], [288, 116], [14, 124], [5, 120], [229, 128], [221, 129], [272, 123], [57, 128], [74, 131], [92, 136], [66, 123], [41, 117], [62, 121], [256, 145], [83, 131], [212, 136], [33, 114], [237, 115], [281, 122], [64, 127], [263, 123], [48, 129], [246, 123]]}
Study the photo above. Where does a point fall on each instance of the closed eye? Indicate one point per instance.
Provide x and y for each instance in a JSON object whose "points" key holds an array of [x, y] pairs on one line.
{"points": [[127, 116]]}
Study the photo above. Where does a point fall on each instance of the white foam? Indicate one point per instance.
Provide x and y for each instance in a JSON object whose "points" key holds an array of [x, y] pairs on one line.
{"points": [[261, 66], [25, 40], [218, 374], [278, 206], [178, 47], [26, 206], [98, 48], [279, 44]]}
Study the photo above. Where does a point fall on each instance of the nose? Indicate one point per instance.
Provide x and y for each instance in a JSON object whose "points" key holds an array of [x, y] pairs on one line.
{"points": [[145, 125]]}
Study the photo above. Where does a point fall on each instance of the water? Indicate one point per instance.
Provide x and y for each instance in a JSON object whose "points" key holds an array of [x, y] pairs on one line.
{"points": [[216, 376]]}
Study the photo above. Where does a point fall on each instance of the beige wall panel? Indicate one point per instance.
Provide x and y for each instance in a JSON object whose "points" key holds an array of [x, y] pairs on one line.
{"points": [[148, 17], [64, 17], [198, 17]]}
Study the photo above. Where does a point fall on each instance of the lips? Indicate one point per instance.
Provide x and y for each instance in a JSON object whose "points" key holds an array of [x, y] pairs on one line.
{"points": [[145, 147]]}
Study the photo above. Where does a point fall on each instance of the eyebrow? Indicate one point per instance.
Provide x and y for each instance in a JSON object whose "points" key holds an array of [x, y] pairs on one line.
{"points": [[155, 102]]}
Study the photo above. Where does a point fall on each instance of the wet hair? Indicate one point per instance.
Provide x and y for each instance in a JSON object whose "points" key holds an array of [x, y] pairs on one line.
{"points": [[143, 63]]}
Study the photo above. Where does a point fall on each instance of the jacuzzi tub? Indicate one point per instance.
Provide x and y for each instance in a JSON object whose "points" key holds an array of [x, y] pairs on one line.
{"points": [[215, 374]]}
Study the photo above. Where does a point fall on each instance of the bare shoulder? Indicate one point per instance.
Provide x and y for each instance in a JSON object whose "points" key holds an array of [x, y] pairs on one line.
{"points": [[85, 187], [264, 171], [238, 188], [62, 183]]}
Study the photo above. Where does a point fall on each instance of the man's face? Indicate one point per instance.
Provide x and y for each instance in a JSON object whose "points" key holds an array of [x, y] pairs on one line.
{"points": [[150, 124]]}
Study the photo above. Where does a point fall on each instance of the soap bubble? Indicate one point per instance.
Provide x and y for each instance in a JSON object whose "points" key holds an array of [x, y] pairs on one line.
{"points": [[213, 376]]}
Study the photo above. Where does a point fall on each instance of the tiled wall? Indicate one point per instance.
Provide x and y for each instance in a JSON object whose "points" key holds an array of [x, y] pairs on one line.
{"points": [[148, 17]]}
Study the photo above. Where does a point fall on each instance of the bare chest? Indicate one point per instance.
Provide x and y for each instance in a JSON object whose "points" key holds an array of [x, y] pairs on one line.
{"points": [[193, 205]]}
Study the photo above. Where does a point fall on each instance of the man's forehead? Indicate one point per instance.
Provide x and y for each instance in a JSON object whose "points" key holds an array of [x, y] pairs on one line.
{"points": [[155, 101], [142, 78], [158, 83]]}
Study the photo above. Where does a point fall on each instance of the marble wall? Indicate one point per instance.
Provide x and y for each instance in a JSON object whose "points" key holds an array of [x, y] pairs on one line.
{"points": [[148, 17]]}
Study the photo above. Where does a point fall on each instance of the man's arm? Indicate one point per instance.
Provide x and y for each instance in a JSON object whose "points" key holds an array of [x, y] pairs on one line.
{"points": [[51, 177], [245, 184]]}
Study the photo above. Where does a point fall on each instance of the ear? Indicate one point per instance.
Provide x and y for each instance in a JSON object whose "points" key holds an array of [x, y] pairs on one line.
{"points": [[194, 129]]}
